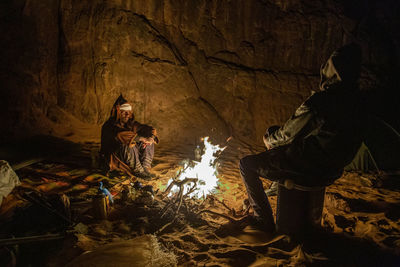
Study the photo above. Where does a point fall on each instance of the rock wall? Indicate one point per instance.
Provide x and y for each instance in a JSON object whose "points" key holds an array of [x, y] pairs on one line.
{"points": [[190, 68], [28, 65]]}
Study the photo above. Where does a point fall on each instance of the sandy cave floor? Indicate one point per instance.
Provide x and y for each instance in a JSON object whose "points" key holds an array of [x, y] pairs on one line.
{"points": [[361, 217]]}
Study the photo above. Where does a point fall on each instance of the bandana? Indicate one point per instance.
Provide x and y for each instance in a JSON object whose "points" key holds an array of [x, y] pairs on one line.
{"points": [[125, 107]]}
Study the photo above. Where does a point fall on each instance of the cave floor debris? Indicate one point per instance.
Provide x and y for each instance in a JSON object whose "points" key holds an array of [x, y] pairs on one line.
{"points": [[361, 221]]}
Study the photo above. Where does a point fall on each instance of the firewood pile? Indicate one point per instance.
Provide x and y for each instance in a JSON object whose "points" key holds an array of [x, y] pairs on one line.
{"points": [[179, 206]]}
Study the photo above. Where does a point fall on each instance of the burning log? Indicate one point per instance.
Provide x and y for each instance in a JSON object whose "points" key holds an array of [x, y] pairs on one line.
{"points": [[180, 200], [204, 171], [197, 188], [180, 185]]}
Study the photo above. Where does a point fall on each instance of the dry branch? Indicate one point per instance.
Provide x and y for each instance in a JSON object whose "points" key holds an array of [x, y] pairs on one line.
{"points": [[179, 198], [220, 214]]}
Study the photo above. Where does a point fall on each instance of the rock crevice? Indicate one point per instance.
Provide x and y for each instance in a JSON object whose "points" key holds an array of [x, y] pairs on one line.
{"points": [[248, 64]]}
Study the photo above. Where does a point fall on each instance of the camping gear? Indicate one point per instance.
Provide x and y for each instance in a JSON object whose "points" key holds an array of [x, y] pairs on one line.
{"points": [[8, 179], [100, 206], [299, 208], [379, 150], [363, 161], [105, 191], [101, 202], [197, 153]]}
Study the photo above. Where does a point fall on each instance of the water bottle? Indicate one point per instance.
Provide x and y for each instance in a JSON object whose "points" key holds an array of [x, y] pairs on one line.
{"points": [[101, 202], [197, 153]]}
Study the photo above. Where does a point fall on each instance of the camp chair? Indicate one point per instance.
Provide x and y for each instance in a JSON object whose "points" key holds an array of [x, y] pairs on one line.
{"points": [[299, 208]]}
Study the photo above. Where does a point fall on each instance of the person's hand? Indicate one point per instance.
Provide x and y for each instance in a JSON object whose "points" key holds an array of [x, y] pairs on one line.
{"points": [[147, 141], [154, 132], [271, 130], [267, 145]]}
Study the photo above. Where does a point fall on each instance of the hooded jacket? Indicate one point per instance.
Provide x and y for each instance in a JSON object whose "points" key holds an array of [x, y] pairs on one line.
{"points": [[114, 134], [324, 133]]}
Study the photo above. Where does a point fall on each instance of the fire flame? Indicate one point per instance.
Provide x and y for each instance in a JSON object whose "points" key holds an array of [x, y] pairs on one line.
{"points": [[205, 171]]}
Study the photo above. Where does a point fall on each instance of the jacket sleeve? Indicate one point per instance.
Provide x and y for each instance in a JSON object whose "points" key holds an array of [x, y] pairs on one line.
{"points": [[302, 123]]}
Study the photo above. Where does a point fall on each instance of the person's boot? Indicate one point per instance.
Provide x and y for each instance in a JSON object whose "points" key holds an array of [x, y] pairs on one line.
{"points": [[263, 224], [145, 174], [148, 172]]}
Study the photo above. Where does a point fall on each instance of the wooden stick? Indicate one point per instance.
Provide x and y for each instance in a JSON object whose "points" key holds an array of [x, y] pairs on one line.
{"points": [[25, 163], [180, 200], [29, 239], [179, 183], [164, 194], [220, 214], [192, 189], [164, 226]]}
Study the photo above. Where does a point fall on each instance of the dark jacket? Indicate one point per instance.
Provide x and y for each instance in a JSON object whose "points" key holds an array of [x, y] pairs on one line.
{"points": [[110, 130], [114, 134], [324, 134]]}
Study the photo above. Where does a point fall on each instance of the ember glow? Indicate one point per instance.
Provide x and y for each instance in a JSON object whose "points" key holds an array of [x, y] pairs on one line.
{"points": [[205, 171]]}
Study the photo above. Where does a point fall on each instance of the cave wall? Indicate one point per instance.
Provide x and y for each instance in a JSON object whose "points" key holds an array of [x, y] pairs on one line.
{"points": [[190, 68], [28, 65]]}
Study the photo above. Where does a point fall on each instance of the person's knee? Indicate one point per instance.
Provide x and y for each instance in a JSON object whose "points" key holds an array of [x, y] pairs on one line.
{"points": [[245, 162], [245, 165], [242, 163], [150, 148]]}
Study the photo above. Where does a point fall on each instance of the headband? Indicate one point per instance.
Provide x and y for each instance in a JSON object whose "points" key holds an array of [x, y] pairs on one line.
{"points": [[125, 107]]}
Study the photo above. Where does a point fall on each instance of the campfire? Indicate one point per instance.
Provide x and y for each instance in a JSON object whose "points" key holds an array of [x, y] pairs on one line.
{"points": [[198, 179], [194, 186]]}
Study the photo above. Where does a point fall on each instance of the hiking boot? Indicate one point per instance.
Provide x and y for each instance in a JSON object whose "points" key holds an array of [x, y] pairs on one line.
{"points": [[261, 224], [150, 174]]}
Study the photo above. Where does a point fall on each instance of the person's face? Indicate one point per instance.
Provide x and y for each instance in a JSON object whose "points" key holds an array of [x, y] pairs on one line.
{"points": [[125, 115], [327, 71]]}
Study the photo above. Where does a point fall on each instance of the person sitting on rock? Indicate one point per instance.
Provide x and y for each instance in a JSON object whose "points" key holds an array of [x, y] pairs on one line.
{"points": [[316, 143], [127, 145]]}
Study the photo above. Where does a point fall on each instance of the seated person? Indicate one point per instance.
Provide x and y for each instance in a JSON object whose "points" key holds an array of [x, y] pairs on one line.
{"points": [[315, 144], [273, 189], [127, 145]]}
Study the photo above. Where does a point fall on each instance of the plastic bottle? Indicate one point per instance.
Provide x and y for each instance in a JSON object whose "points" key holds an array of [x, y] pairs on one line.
{"points": [[197, 153], [101, 202]]}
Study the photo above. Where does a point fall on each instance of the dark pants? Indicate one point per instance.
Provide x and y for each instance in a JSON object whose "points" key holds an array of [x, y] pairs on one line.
{"points": [[138, 157], [266, 165]]}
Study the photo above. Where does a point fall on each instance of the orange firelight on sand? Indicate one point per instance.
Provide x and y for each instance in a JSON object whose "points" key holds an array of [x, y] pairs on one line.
{"points": [[204, 170]]}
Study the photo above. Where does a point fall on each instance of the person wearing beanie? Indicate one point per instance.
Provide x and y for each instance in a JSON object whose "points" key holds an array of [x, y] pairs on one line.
{"points": [[317, 142], [127, 145]]}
